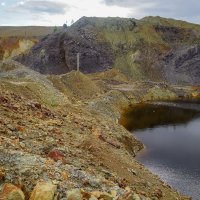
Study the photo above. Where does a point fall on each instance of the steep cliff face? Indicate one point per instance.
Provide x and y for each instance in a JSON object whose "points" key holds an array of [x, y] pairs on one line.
{"points": [[182, 66], [147, 49], [158, 38]]}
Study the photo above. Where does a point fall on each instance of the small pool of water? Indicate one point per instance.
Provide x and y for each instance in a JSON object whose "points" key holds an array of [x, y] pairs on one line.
{"points": [[171, 134]]}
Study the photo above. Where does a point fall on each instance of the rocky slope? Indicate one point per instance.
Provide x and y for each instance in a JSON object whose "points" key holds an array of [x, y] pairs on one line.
{"points": [[74, 140], [56, 54], [153, 48], [60, 136]]}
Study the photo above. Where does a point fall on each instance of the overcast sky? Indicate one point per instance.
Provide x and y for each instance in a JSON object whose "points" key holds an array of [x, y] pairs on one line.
{"points": [[49, 12]]}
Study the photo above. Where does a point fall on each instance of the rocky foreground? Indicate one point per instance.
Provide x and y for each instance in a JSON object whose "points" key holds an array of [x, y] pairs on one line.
{"points": [[60, 136]]}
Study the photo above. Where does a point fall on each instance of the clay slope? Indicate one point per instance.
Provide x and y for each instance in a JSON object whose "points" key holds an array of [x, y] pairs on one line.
{"points": [[18, 40], [13, 46]]}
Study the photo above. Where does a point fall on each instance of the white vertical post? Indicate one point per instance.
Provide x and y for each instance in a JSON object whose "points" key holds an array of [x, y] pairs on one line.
{"points": [[78, 62]]}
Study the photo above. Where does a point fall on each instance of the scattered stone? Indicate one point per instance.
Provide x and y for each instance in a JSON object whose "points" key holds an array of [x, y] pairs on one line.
{"points": [[65, 175], [11, 192], [44, 191], [2, 174], [74, 195], [158, 193], [109, 141], [3, 100], [56, 155], [106, 196], [102, 195], [131, 196], [85, 194], [113, 193], [10, 127], [20, 128], [136, 197], [22, 145], [123, 183], [38, 105], [133, 172], [93, 198]]}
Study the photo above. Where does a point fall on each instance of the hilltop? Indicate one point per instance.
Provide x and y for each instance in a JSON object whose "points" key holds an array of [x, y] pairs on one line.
{"points": [[152, 48]]}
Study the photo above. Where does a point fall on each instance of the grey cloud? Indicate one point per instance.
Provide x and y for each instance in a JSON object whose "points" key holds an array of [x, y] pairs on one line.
{"points": [[166, 8], [124, 3], [43, 6]]}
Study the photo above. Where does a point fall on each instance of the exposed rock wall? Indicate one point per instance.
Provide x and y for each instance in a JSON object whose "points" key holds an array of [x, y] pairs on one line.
{"points": [[11, 47], [182, 66]]}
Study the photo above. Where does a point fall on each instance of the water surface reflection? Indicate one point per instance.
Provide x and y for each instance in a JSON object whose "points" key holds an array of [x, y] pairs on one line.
{"points": [[171, 133]]}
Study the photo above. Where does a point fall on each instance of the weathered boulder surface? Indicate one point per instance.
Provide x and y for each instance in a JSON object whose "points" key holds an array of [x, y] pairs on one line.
{"points": [[44, 191], [11, 192]]}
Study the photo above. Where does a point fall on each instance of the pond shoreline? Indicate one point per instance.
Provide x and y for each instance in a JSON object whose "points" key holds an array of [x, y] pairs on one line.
{"points": [[175, 109]]}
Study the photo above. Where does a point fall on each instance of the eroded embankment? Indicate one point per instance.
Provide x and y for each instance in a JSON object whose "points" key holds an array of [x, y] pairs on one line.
{"points": [[11, 47]]}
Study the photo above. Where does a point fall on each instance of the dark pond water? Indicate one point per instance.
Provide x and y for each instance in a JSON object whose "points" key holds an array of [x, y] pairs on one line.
{"points": [[171, 134]]}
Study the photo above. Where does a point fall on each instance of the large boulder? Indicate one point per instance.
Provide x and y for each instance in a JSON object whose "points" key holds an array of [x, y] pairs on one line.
{"points": [[74, 195], [44, 191], [11, 192]]}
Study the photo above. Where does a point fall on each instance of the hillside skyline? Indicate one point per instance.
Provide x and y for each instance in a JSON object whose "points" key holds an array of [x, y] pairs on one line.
{"points": [[50, 13]]}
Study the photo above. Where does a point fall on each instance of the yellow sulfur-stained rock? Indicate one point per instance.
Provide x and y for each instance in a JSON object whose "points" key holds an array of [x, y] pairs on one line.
{"points": [[102, 195], [44, 191], [93, 198], [74, 195], [195, 95], [11, 192]]}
